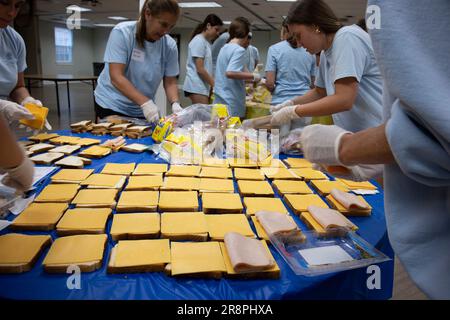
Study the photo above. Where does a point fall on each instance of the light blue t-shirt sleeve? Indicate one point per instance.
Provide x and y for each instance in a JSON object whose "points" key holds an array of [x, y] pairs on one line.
{"points": [[117, 49], [237, 61], [271, 65], [349, 57], [172, 67], [198, 48]]}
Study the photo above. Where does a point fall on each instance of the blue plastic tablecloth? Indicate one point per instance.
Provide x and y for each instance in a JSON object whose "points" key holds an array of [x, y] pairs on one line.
{"points": [[352, 284]]}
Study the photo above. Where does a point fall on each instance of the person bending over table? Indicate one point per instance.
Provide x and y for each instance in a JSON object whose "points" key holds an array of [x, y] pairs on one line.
{"points": [[414, 141], [13, 93], [139, 55], [348, 85], [230, 75]]}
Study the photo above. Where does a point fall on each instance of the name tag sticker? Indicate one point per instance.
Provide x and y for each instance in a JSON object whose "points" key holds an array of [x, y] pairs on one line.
{"points": [[138, 55]]}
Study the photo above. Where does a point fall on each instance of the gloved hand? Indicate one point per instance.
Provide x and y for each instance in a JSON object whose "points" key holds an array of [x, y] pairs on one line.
{"points": [[21, 177], [256, 77], [285, 115], [321, 144], [176, 107], [278, 107], [12, 111], [357, 173], [38, 103], [32, 101], [151, 111]]}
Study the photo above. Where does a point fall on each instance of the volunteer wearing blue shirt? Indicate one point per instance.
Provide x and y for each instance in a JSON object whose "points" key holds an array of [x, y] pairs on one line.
{"points": [[138, 57], [290, 72], [252, 56], [220, 42], [348, 84], [13, 94], [414, 141], [199, 67], [230, 76]]}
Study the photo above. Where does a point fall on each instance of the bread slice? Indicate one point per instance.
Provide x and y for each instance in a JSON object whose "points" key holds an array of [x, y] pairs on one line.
{"points": [[73, 162]]}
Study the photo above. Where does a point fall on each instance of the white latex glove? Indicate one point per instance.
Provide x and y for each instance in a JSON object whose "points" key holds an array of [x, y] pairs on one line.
{"points": [[256, 77], [285, 115], [358, 173], [13, 111], [321, 144], [278, 107], [32, 101], [176, 107], [151, 111], [21, 177]]}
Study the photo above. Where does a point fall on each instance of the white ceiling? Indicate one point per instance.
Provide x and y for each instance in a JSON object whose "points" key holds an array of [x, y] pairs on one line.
{"points": [[263, 14]]}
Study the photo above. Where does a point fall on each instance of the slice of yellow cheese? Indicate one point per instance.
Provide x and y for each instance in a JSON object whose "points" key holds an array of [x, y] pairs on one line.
{"points": [[96, 197], [58, 193], [178, 201], [135, 253], [181, 184], [40, 214], [20, 248], [192, 258], [221, 224], [144, 183], [183, 171], [279, 173], [301, 202], [105, 181], [216, 173], [309, 174], [259, 188], [95, 151], [353, 185], [224, 201], [183, 223], [135, 224], [72, 175], [138, 199], [143, 169], [248, 174], [124, 169], [76, 250], [324, 187], [292, 187], [256, 204], [84, 219], [298, 163], [216, 185], [40, 115]]}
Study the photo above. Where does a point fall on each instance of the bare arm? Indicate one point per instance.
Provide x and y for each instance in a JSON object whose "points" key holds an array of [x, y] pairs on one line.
{"points": [[247, 76], [11, 155], [171, 88], [200, 64], [118, 79], [311, 96], [20, 92], [342, 100], [270, 80], [366, 147]]}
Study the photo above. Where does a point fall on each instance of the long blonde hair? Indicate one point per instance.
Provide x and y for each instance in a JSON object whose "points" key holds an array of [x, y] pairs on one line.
{"points": [[156, 7]]}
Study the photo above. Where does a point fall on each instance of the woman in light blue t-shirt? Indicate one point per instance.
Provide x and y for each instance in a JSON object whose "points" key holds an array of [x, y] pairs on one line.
{"points": [[13, 94], [139, 55], [199, 66], [348, 85], [230, 69]]}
